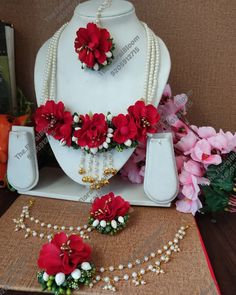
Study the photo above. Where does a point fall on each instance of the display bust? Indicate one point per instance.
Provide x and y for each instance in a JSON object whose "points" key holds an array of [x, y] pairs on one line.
{"points": [[112, 89]]}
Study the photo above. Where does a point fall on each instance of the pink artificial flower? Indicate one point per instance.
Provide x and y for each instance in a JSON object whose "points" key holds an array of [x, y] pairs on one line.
{"points": [[201, 152], [179, 128], [131, 172], [188, 206], [186, 143], [180, 162], [191, 190], [206, 132], [194, 168], [171, 106], [224, 142], [139, 154], [167, 91]]}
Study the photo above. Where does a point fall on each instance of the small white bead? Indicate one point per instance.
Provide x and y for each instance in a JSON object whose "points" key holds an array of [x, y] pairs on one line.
{"points": [[134, 274], [41, 235], [153, 255], [142, 271], [42, 224], [98, 278], [159, 251], [28, 230], [106, 280], [126, 277], [78, 228], [137, 261], [146, 258], [116, 278], [49, 225], [63, 227], [150, 267], [102, 269], [165, 247], [130, 265], [34, 234], [121, 266], [36, 221], [71, 228], [111, 268], [157, 263], [55, 227]]}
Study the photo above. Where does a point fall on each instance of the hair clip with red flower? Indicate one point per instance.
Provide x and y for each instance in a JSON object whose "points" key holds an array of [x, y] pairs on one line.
{"points": [[94, 47], [109, 214], [64, 264]]}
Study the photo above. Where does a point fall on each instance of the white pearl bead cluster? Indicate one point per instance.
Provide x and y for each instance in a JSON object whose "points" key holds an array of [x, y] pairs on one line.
{"points": [[83, 231]]}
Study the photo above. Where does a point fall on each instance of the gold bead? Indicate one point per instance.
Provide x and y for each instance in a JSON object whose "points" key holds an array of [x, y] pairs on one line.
{"points": [[82, 171]]}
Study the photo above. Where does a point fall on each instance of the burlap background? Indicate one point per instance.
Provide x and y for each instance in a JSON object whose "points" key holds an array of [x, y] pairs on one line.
{"points": [[200, 35], [148, 230]]}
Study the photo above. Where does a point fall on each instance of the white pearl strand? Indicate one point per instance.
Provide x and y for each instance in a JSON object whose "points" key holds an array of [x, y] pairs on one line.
{"points": [[83, 231], [137, 277], [101, 8], [152, 66]]}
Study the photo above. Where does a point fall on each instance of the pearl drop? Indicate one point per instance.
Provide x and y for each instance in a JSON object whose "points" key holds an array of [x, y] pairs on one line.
{"points": [[86, 266], [109, 54], [103, 223], [121, 219], [45, 276], [76, 274]]}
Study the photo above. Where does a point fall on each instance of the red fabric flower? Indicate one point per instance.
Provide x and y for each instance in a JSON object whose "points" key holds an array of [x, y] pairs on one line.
{"points": [[93, 131], [63, 254], [92, 44], [145, 117], [108, 207], [125, 128], [52, 119]]}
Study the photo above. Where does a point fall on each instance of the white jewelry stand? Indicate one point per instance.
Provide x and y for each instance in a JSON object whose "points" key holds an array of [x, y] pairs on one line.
{"points": [[86, 91]]}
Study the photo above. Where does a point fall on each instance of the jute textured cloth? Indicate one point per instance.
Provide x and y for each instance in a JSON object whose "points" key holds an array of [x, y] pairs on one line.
{"points": [[148, 230]]}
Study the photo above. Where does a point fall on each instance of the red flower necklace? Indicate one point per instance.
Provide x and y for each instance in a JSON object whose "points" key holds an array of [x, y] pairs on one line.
{"points": [[97, 132]]}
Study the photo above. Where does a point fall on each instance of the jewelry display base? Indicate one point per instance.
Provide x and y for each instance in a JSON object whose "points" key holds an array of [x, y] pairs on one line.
{"points": [[54, 183], [148, 230]]}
